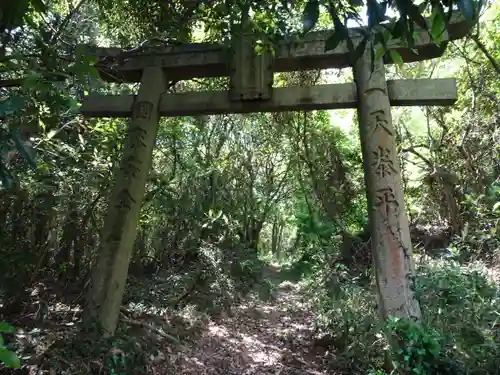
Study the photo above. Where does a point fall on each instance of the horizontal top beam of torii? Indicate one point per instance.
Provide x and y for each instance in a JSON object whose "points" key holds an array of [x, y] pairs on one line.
{"points": [[211, 60]]}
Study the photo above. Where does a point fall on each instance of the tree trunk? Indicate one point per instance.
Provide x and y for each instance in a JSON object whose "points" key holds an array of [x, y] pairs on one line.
{"points": [[5, 202], [391, 244], [68, 241], [252, 232], [79, 246], [274, 236], [15, 282], [120, 224], [280, 241], [44, 212]]}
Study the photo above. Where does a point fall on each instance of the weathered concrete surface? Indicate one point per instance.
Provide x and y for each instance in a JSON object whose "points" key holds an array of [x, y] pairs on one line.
{"points": [[389, 228], [211, 60], [321, 97], [120, 224]]}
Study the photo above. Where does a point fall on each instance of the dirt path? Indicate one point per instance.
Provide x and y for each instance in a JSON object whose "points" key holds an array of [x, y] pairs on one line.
{"points": [[259, 337]]}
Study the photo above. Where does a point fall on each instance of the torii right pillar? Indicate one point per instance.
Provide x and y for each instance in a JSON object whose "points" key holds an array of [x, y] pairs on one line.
{"points": [[389, 227]]}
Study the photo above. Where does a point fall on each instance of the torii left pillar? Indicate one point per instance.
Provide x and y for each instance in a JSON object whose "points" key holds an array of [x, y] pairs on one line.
{"points": [[119, 232]]}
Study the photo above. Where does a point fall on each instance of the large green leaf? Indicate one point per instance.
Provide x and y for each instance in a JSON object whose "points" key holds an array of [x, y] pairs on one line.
{"points": [[11, 105], [360, 49], [32, 80], [468, 8], [334, 40], [39, 6], [416, 16], [376, 12], [310, 15], [438, 25], [10, 359], [398, 29], [396, 58], [7, 328]]}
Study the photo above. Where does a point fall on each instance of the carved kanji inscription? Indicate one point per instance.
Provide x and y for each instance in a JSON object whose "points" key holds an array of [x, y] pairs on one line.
{"points": [[136, 137], [124, 199], [386, 200], [375, 89], [379, 118], [384, 166], [136, 142], [116, 231], [129, 167], [142, 110]]}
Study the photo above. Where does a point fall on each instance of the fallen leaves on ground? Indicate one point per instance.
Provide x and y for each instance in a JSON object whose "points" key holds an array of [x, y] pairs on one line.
{"points": [[253, 337], [256, 337]]}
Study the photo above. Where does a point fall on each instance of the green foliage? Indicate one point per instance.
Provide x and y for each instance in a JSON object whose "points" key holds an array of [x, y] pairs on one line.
{"points": [[465, 308], [278, 17], [458, 335], [9, 358], [447, 186], [310, 15], [315, 233], [417, 348], [347, 312], [11, 105], [125, 357], [10, 140], [218, 184]]}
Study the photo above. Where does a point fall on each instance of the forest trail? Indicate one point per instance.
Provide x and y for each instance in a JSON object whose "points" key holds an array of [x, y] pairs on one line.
{"points": [[260, 337]]}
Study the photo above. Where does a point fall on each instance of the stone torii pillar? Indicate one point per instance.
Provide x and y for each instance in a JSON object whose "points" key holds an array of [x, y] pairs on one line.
{"points": [[388, 220], [120, 223], [251, 91]]}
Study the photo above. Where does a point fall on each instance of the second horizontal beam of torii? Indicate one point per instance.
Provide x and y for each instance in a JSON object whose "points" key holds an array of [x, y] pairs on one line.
{"points": [[321, 97], [211, 60]]}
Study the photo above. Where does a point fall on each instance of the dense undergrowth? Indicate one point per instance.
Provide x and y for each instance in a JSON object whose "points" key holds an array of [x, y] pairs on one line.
{"points": [[229, 195], [460, 333]]}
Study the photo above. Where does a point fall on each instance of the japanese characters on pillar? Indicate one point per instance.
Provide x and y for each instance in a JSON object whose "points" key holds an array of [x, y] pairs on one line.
{"points": [[120, 225], [389, 226], [131, 164], [142, 110]]}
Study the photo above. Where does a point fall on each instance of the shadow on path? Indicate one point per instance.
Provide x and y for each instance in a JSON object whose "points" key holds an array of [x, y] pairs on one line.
{"points": [[272, 337]]}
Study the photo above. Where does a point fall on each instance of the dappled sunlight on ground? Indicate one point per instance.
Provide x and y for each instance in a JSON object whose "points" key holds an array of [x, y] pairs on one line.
{"points": [[257, 337]]}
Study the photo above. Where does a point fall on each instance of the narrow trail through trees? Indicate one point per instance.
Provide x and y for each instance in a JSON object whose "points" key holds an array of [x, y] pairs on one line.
{"points": [[259, 337]]}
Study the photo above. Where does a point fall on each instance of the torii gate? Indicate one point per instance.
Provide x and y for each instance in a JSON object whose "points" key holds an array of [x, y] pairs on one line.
{"points": [[251, 90]]}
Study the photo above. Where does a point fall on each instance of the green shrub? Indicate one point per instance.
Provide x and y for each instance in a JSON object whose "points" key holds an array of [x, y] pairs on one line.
{"points": [[8, 357], [459, 334]]}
